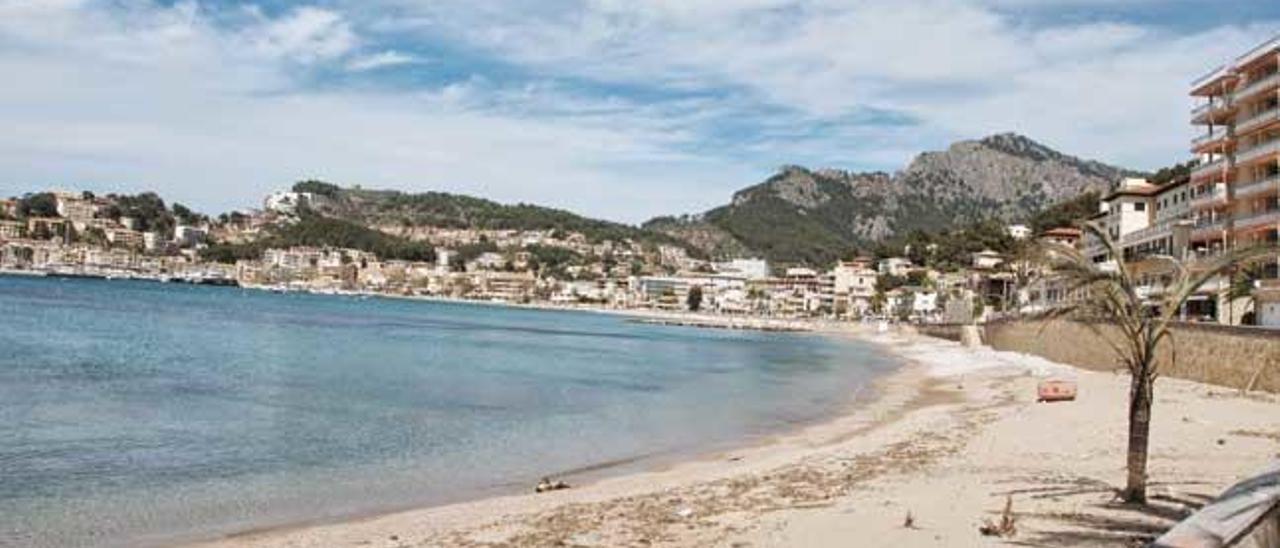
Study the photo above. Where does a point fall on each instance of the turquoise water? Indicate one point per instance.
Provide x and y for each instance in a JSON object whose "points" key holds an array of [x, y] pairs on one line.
{"points": [[143, 413]]}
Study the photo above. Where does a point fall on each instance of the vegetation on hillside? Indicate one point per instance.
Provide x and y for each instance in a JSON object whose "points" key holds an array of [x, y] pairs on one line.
{"points": [[40, 204], [147, 210], [439, 209], [321, 188], [319, 231], [1176, 172], [949, 250], [1068, 213]]}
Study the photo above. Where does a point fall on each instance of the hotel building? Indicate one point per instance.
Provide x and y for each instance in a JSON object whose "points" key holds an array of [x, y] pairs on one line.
{"points": [[1149, 224], [1236, 185]]}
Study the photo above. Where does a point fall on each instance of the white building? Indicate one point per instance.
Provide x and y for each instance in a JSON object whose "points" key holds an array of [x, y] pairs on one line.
{"points": [[987, 260], [288, 202], [74, 207], [443, 256], [751, 269], [1018, 232], [894, 266], [925, 302], [189, 236], [853, 284], [488, 260]]}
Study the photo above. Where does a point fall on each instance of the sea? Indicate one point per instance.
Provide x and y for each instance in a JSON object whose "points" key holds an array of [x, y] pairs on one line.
{"points": [[137, 413]]}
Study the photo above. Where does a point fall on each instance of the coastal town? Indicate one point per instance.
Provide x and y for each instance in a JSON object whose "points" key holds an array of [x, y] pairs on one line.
{"points": [[81, 235], [1225, 198], [77, 234]]}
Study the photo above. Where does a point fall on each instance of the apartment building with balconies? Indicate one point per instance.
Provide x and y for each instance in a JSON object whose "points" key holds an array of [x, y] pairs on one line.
{"points": [[1236, 184]]}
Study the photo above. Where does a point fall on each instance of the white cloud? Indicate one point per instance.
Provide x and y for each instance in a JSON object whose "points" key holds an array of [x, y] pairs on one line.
{"points": [[685, 101], [961, 68], [384, 59], [306, 35], [165, 99]]}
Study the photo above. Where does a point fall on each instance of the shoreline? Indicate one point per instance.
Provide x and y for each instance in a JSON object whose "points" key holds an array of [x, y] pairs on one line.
{"points": [[639, 315], [953, 420], [883, 390], [589, 475]]}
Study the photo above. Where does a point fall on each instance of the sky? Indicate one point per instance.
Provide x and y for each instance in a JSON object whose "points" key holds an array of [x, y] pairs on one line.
{"points": [[620, 109]]}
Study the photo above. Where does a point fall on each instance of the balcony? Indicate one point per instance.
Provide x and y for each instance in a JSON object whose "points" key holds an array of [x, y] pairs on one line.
{"points": [[1253, 188], [1268, 215], [1257, 86], [1257, 120], [1146, 234], [1202, 140], [1258, 151], [1212, 110], [1209, 227], [1209, 167], [1216, 195]]}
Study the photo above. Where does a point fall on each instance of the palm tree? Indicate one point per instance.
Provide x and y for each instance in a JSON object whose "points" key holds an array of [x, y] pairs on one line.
{"points": [[1111, 296]]}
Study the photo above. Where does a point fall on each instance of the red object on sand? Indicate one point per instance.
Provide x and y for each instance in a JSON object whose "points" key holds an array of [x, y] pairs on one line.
{"points": [[1056, 390]]}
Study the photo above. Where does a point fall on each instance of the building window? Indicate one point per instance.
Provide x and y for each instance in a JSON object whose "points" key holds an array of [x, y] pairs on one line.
{"points": [[1139, 206]]}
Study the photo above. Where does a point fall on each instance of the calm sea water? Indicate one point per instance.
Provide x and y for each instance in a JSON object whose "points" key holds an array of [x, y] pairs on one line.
{"points": [[142, 413]]}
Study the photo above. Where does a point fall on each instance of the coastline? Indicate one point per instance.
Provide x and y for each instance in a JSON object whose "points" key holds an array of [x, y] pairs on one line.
{"points": [[956, 422], [882, 398], [639, 315]]}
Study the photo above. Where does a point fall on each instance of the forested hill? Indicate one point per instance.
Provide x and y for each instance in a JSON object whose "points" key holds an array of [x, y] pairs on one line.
{"points": [[401, 213]]}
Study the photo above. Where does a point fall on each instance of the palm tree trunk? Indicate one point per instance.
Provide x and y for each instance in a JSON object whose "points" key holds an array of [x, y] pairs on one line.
{"points": [[1140, 396]]}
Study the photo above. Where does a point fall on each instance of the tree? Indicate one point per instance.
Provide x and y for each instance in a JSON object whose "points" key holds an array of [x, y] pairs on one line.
{"points": [[186, 216], [1172, 173], [1111, 298], [878, 301], [147, 209], [42, 204], [1067, 213], [320, 188], [694, 300], [1242, 285], [906, 305]]}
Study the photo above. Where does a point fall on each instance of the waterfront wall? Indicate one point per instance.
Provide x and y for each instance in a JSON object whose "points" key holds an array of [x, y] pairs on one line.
{"points": [[950, 332], [1213, 354]]}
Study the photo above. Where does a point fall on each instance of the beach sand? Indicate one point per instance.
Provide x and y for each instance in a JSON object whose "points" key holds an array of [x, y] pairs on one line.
{"points": [[947, 439]]}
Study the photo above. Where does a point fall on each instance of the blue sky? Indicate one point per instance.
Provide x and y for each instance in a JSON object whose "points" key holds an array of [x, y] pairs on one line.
{"points": [[614, 108]]}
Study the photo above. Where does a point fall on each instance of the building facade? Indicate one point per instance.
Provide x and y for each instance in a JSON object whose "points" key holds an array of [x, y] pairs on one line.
{"points": [[1235, 188]]}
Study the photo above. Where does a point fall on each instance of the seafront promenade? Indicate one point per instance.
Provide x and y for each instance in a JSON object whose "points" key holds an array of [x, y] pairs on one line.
{"points": [[938, 449]]}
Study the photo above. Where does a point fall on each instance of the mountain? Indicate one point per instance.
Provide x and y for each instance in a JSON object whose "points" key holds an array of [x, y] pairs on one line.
{"points": [[809, 216]]}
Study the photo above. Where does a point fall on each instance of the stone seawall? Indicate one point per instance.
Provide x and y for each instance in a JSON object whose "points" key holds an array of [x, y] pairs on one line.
{"points": [[950, 332], [1225, 356]]}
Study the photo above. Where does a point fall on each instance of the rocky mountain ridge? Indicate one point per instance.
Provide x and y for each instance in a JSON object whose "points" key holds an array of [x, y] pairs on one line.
{"points": [[809, 216]]}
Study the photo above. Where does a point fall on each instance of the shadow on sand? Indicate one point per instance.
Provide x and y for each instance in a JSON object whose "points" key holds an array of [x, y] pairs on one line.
{"points": [[1098, 518]]}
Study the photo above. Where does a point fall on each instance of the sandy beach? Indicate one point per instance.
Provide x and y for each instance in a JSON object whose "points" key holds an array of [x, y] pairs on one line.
{"points": [[947, 440]]}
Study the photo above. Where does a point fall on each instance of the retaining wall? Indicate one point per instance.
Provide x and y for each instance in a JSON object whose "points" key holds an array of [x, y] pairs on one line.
{"points": [[1214, 354]]}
